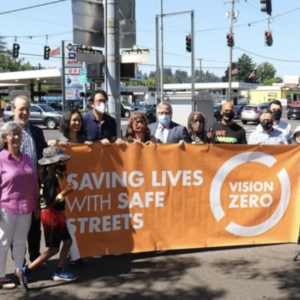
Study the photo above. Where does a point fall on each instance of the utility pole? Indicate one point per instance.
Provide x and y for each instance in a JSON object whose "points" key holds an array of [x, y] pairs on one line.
{"points": [[232, 17], [113, 61], [161, 52]]}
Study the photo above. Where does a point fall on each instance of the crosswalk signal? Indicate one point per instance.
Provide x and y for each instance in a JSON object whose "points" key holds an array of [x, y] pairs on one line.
{"points": [[268, 38], [188, 43], [230, 40], [266, 6], [15, 50], [46, 52]]}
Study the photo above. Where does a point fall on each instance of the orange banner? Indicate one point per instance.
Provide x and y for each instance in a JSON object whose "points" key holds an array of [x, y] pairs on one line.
{"points": [[137, 198]]}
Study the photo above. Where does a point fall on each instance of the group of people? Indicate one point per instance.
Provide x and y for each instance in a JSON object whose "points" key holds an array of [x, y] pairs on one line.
{"points": [[31, 170]]}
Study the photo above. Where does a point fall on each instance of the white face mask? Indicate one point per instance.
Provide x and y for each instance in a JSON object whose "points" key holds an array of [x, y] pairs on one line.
{"points": [[101, 108]]}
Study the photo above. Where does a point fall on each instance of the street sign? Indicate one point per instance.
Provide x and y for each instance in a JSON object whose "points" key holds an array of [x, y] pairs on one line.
{"points": [[83, 71], [99, 58]]}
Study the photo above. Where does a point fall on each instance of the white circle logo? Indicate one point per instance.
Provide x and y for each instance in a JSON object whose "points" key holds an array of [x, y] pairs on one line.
{"points": [[226, 168]]}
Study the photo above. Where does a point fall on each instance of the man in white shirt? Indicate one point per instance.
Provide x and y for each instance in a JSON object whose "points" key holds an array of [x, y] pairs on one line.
{"points": [[268, 135], [286, 128]]}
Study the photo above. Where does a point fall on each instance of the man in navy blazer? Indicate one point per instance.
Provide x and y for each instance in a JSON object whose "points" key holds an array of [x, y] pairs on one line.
{"points": [[165, 130], [33, 143]]}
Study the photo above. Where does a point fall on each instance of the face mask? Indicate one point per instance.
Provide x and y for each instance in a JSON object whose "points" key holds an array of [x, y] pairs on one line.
{"points": [[228, 116], [277, 114], [164, 119], [266, 125], [101, 107], [197, 126]]}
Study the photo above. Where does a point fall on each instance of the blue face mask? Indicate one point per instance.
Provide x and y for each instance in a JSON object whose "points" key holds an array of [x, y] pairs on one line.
{"points": [[164, 119]]}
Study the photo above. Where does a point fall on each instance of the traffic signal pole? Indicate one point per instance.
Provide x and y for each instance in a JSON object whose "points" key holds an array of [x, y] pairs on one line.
{"points": [[113, 61], [230, 53]]}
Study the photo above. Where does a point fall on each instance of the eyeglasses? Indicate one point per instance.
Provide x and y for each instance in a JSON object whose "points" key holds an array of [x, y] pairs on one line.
{"points": [[13, 134], [163, 113], [135, 123]]}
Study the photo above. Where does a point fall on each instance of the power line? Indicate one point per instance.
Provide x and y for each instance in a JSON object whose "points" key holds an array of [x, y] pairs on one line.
{"points": [[29, 7], [271, 58]]}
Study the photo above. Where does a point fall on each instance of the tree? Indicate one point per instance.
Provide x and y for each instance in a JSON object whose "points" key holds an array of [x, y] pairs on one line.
{"points": [[265, 71], [245, 67], [271, 81]]}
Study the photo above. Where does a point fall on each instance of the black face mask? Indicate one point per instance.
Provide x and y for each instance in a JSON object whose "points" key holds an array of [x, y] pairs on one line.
{"points": [[277, 115], [266, 125], [228, 116]]}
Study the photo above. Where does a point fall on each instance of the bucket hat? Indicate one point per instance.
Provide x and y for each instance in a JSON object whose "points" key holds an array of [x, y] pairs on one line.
{"points": [[296, 131], [53, 155]]}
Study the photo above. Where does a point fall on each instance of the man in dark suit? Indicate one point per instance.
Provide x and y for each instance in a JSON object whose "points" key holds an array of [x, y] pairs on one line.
{"points": [[33, 143], [165, 130]]}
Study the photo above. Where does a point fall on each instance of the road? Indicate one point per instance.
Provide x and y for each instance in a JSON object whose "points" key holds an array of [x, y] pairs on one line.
{"points": [[244, 273]]}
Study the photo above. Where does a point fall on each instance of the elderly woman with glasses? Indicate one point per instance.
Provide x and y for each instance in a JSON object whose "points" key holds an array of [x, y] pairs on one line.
{"points": [[19, 193]]}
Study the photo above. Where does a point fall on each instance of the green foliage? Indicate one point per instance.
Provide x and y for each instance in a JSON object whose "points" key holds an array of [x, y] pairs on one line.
{"points": [[270, 81], [245, 67], [265, 71]]}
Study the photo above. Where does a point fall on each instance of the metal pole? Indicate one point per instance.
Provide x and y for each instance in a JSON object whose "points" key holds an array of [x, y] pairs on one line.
{"points": [[161, 53], [158, 98], [63, 75], [113, 62], [193, 59], [230, 53]]}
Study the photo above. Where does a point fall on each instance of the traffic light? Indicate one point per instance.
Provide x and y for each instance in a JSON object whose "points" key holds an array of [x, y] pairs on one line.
{"points": [[46, 52], [230, 40], [268, 38], [266, 6], [188, 43], [15, 50]]}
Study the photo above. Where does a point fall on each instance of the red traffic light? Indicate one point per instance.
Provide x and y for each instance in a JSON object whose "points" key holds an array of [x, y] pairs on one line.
{"points": [[188, 43], [268, 38], [230, 40]]}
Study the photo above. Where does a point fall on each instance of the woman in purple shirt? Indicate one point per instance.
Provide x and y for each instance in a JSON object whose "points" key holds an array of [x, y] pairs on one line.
{"points": [[19, 195]]}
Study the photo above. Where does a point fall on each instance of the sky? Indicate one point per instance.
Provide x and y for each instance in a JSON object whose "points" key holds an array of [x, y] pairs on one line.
{"points": [[31, 27]]}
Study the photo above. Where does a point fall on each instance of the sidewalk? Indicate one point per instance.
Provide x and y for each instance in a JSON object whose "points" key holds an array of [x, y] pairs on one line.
{"points": [[260, 272]]}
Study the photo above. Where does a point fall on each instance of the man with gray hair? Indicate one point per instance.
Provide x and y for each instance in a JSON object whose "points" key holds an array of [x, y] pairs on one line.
{"points": [[33, 143], [165, 130]]}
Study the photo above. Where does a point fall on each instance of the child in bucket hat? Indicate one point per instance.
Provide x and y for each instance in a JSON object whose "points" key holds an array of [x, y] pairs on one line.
{"points": [[52, 170]]}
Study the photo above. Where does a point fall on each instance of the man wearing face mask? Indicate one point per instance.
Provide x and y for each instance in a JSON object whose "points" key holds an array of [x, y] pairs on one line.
{"points": [[227, 131], [268, 135], [196, 128], [276, 108], [99, 125], [165, 130]]}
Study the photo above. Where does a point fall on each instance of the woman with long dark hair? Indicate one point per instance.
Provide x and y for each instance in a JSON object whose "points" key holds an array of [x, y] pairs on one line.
{"points": [[197, 128]]}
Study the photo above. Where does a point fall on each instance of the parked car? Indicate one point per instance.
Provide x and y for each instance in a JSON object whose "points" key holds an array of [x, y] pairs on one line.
{"points": [[40, 114], [217, 112], [150, 111], [126, 109], [238, 110], [251, 113], [293, 112]]}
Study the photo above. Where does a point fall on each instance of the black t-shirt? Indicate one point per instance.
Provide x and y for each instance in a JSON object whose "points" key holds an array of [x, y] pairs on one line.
{"points": [[50, 188], [230, 134]]}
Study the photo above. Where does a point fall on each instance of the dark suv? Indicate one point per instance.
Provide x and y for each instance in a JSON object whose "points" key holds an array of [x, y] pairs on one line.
{"points": [[293, 112], [150, 111], [41, 114]]}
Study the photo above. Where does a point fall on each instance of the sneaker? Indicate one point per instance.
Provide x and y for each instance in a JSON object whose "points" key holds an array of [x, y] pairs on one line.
{"points": [[23, 277], [78, 262], [64, 275]]}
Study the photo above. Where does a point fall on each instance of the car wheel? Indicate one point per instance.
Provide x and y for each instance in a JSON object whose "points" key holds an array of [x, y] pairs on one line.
{"points": [[50, 123], [244, 122], [127, 113]]}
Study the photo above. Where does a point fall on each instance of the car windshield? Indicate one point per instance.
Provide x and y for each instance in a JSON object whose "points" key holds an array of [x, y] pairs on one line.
{"points": [[127, 104], [237, 108], [46, 108]]}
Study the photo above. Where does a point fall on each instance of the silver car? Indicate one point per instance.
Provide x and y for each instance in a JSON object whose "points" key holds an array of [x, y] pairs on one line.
{"points": [[41, 114], [251, 113]]}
